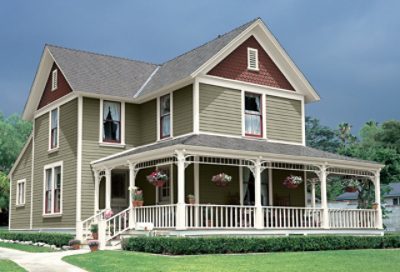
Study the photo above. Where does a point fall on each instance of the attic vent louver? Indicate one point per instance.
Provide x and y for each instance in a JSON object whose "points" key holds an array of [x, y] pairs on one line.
{"points": [[54, 80], [252, 59]]}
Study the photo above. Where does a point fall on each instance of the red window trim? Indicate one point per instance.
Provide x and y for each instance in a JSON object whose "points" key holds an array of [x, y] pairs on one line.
{"points": [[260, 114], [163, 116]]}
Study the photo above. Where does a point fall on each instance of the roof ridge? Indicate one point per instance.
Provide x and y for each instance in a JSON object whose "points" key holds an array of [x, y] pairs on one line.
{"points": [[100, 54], [218, 37]]}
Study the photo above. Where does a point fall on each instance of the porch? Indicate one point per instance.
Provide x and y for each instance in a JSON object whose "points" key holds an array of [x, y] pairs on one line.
{"points": [[254, 202]]}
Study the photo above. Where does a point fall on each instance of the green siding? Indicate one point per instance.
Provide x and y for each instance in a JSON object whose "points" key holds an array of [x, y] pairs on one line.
{"points": [[132, 124], [284, 119], [220, 110], [183, 111], [148, 122], [281, 194], [67, 153], [20, 216]]}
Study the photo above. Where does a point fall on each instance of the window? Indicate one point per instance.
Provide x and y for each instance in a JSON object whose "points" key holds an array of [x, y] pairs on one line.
{"points": [[54, 129], [396, 202], [165, 116], [253, 115], [252, 59], [54, 80], [111, 122], [118, 185], [53, 189], [20, 199]]}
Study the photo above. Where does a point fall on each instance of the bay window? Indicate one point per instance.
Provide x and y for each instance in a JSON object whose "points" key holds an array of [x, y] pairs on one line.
{"points": [[111, 122], [253, 115], [54, 129], [165, 116], [53, 189]]}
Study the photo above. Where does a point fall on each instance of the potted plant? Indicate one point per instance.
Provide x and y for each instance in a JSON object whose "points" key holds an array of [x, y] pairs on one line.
{"points": [[94, 229], [157, 178], [74, 244], [137, 198], [352, 186], [93, 245], [221, 179], [292, 182], [191, 199]]}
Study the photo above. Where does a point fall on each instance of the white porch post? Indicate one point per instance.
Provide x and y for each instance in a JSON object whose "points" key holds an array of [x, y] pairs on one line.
{"points": [[313, 194], [324, 198], [196, 172], [180, 207], [270, 188], [377, 184], [96, 190], [132, 177], [257, 198], [108, 189]]}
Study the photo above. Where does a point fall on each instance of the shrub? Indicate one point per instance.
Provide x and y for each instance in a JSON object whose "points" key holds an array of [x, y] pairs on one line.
{"points": [[57, 239], [74, 242], [218, 245]]}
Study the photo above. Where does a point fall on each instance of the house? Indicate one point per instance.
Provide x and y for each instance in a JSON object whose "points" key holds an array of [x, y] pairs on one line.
{"points": [[391, 202], [234, 106]]}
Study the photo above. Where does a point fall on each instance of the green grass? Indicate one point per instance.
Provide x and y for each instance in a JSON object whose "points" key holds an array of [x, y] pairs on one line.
{"points": [[27, 248], [7, 265], [327, 261]]}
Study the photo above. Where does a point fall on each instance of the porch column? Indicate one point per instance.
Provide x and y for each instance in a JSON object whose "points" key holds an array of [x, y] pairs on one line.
{"points": [[324, 198], [180, 207], [132, 178], [96, 190], [377, 184], [258, 222], [196, 173], [108, 189], [270, 187], [313, 193]]}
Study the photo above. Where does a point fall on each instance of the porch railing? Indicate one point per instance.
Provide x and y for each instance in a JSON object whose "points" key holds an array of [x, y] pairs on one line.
{"points": [[208, 216], [352, 218], [87, 223], [162, 216], [117, 224], [292, 217]]}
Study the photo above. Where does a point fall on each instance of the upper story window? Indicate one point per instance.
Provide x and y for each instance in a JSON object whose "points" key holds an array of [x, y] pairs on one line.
{"points": [[52, 189], [396, 201], [165, 116], [20, 196], [252, 59], [111, 122], [54, 128], [54, 80], [253, 115]]}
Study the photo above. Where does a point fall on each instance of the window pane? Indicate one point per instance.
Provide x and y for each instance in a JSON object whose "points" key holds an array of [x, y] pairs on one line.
{"points": [[48, 192], [395, 201], [111, 121], [253, 124], [54, 128], [252, 103], [165, 126], [165, 105]]}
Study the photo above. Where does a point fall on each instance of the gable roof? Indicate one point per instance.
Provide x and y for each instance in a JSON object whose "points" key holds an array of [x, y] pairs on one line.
{"points": [[132, 80]]}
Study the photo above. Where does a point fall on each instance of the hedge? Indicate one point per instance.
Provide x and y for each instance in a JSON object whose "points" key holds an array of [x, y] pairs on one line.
{"points": [[218, 245], [58, 239]]}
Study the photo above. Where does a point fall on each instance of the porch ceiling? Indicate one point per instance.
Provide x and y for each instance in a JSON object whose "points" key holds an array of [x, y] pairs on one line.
{"points": [[212, 145]]}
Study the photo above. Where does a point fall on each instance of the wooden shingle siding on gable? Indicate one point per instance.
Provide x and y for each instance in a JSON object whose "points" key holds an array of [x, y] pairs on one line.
{"points": [[20, 216], [50, 95], [183, 111], [220, 110], [67, 153], [284, 119]]}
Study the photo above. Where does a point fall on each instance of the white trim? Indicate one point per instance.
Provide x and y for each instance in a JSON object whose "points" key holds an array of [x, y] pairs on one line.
{"points": [[196, 106], [249, 87], [242, 95], [32, 174], [50, 149], [171, 115], [54, 80], [270, 187], [101, 120], [9, 204], [158, 119], [79, 162], [264, 115], [114, 145], [123, 124], [303, 122], [284, 142], [21, 154], [146, 82], [196, 181], [249, 52], [241, 192], [17, 194], [55, 104], [52, 166]]}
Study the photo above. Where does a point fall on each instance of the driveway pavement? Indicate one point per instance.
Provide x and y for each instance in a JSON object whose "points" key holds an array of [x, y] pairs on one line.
{"points": [[42, 262]]}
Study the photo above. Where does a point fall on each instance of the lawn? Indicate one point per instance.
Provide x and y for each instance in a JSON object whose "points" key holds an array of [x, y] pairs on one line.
{"points": [[7, 265], [27, 248], [351, 260]]}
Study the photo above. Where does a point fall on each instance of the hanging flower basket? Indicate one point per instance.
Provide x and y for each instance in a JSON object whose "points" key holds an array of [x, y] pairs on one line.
{"points": [[157, 178], [221, 179], [292, 182]]}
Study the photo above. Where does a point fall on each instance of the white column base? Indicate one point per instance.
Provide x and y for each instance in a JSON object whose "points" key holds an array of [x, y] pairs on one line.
{"points": [[180, 216], [102, 234], [259, 220], [79, 231]]}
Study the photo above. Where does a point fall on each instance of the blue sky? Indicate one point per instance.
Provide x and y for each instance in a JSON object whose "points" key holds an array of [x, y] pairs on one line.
{"points": [[349, 50]]}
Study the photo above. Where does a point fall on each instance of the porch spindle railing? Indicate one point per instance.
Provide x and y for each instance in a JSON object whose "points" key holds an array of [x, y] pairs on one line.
{"points": [[292, 217], [352, 218], [162, 216]]}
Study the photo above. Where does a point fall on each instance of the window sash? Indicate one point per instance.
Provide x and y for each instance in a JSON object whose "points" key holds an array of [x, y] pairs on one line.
{"points": [[20, 194], [111, 122], [165, 116], [54, 128], [53, 190], [253, 119]]}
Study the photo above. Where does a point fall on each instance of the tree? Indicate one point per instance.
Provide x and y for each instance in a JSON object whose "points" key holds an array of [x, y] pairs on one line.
{"points": [[321, 137]]}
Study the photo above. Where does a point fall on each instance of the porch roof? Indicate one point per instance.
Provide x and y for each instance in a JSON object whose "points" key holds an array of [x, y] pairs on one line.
{"points": [[238, 144]]}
